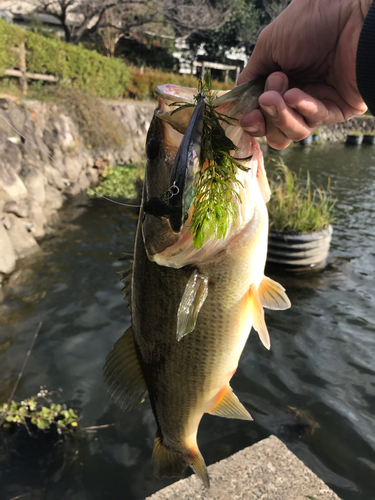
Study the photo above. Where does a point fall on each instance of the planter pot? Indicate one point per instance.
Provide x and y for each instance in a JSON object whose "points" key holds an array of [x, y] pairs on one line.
{"points": [[316, 137], [354, 140], [369, 139], [299, 252], [307, 141]]}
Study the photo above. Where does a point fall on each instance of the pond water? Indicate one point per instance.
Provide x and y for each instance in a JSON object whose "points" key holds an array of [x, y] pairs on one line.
{"points": [[315, 388]]}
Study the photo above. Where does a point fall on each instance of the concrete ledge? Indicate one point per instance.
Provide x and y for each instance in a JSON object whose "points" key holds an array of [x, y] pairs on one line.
{"points": [[265, 471]]}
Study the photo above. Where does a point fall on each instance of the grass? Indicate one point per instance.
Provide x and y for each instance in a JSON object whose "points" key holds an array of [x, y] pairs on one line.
{"points": [[295, 205], [98, 124], [356, 133], [120, 182]]}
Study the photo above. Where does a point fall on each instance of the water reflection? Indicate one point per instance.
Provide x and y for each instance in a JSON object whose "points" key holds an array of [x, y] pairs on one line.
{"points": [[315, 389]]}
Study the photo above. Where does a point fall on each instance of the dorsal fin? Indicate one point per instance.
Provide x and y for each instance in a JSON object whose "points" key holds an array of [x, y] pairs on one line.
{"points": [[123, 375], [229, 406], [257, 313], [194, 296], [272, 295]]}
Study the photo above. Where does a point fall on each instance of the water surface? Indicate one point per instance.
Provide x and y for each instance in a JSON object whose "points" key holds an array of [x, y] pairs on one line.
{"points": [[315, 388]]}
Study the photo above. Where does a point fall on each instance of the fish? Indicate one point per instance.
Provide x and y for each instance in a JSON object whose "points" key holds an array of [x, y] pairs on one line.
{"points": [[192, 309]]}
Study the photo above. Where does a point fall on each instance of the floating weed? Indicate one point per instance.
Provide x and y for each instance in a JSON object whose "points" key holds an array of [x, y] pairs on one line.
{"points": [[31, 412], [296, 206]]}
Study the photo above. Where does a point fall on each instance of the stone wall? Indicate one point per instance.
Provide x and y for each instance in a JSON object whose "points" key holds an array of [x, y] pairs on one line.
{"points": [[338, 131], [32, 187]]}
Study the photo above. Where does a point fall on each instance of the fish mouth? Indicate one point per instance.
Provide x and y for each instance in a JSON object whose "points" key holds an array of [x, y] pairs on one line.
{"points": [[168, 239]]}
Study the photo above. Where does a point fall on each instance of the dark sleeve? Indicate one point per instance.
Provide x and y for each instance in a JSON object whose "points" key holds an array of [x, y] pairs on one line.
{"points": [[365, 65]]}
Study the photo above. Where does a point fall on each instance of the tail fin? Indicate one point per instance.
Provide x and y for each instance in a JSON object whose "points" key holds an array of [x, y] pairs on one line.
{"points": [[173, 463]]}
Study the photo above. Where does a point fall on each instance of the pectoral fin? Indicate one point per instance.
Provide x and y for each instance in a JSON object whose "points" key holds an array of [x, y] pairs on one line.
{"points": [[272, 295], [263, 183], [123, 375], [257, 313], [194, 296], [229, 406]]}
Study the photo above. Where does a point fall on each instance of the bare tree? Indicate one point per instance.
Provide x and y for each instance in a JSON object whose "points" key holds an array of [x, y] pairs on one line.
{"points": [[116, 18], [191, 16], [80, 16]]}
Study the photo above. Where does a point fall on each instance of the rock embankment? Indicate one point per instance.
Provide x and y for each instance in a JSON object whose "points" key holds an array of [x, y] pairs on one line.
{"points": [[337, 132], [32, 186]]}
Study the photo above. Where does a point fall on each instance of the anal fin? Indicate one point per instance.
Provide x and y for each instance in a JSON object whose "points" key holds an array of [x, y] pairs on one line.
{"points": [[123, 375], [228, 405], [272, 295], [195, 294]]}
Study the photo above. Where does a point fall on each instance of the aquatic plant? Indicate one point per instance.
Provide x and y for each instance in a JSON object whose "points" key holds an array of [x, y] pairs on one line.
{"points": [[296, 206], [120, 181], [217, 184], [31, 412]]}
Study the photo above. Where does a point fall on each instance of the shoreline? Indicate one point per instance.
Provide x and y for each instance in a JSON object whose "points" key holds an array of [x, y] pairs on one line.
{"points": [[32, 186]]}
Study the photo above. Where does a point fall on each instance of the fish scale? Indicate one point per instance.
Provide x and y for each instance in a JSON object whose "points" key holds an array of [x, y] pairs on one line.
{"points": [[192, 310]]}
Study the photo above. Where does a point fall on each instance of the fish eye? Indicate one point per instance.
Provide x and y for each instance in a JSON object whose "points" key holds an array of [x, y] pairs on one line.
{"points": [[152, 149]]}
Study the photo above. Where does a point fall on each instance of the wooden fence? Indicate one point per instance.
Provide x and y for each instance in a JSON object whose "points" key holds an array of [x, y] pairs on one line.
{"points": [[225, 67], [24, 75]]}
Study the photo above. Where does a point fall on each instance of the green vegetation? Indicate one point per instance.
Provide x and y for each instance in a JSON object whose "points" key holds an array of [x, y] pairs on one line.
{"points": [[239, 31], [296, 206], [356, 133], [120, 182], [214, 208], [76, 67], [30, 412]]}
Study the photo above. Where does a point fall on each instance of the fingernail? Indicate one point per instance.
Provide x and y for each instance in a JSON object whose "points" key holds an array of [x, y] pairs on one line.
{"points": [[251, 130], [274, 82], [270, 110]]}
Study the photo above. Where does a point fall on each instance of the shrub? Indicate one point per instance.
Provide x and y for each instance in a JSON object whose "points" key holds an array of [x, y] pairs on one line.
{"points": [[10, 37], [78, 67], [296, 207]]}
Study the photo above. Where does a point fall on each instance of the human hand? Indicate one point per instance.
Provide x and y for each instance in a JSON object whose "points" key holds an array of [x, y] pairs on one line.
{"points": [[309, 53]]}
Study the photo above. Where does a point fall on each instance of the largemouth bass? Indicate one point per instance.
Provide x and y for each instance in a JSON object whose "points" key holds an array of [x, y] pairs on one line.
{"points": [[192, 310]]}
